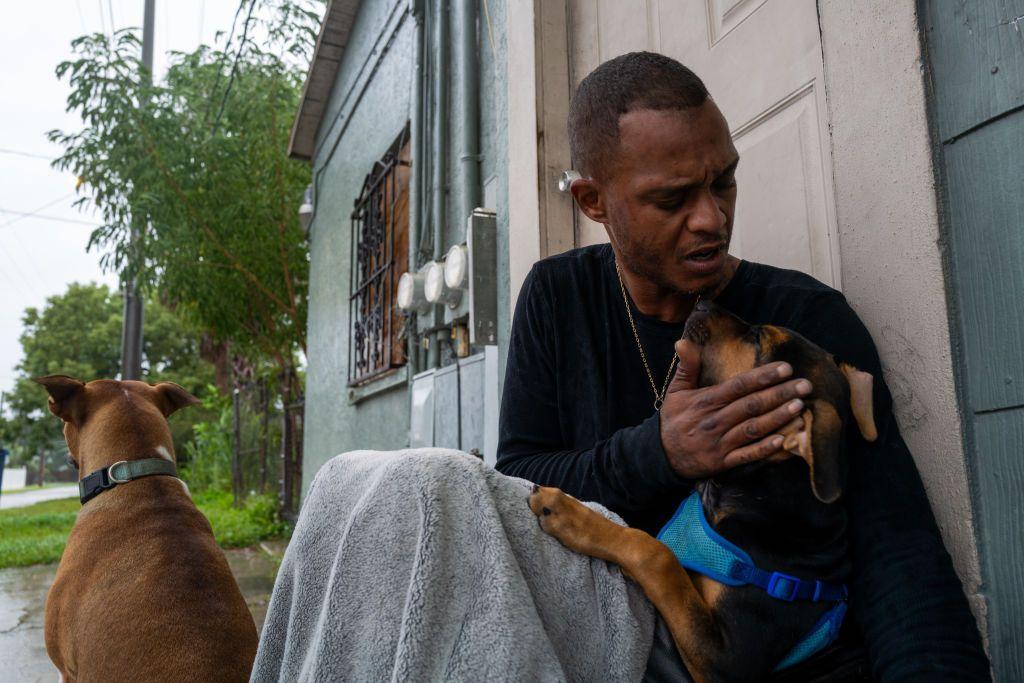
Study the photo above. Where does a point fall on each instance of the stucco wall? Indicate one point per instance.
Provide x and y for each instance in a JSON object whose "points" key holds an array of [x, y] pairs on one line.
{"points": [[369, 104], [368, 108], [892, 254]]}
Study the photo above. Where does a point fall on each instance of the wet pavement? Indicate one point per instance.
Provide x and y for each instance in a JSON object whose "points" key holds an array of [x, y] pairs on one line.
{"points": [[30, 497], [23, 596]]}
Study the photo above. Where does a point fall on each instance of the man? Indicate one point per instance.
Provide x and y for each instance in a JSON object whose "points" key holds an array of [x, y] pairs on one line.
{"points": [[588, 405]]}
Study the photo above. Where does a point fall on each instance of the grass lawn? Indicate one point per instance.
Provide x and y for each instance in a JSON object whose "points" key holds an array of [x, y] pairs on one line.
{"points": [[36, 534]]}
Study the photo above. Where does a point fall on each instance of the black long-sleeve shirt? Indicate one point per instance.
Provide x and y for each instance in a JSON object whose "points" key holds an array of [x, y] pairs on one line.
{"points": [[577, 413]]}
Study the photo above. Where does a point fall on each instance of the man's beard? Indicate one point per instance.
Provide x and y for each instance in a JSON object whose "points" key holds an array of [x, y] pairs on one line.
{"points": [[648, 265]]}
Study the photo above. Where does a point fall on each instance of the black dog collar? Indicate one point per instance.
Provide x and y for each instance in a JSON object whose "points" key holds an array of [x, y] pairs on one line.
{"points": [[122, 472]]}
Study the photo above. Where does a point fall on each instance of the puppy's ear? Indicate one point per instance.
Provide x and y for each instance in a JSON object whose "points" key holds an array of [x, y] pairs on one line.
{"points": [[815, 437], [65, 395], [171, 398], [861, 401], [798, 436]]}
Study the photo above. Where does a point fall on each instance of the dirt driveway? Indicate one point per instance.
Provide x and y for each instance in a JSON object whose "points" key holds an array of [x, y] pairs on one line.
{"points": [[23, 594]]}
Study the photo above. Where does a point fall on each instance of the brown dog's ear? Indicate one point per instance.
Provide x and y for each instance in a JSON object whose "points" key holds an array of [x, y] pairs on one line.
{"points": [[172, 398], [64, 393], [861, 401]]}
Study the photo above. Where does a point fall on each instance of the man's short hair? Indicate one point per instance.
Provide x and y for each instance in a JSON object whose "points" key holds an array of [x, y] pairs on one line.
{"points": [[637, 80]]}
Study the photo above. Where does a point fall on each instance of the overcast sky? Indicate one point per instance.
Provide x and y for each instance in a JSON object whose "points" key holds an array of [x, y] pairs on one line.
{"points": [[39, 256]]}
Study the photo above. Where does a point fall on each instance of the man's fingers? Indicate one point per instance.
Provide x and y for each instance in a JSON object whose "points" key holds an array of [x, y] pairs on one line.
{"points": [[688, 371], [759, 427], [754, 452], [760, 403], [750, 381]]}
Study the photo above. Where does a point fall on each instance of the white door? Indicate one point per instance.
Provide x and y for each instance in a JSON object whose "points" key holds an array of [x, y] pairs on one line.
{"points": [[762, 62]]}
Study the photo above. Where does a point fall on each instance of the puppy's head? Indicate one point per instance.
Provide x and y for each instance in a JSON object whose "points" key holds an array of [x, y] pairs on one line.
{"points": [[730, 346], [105, 410]]}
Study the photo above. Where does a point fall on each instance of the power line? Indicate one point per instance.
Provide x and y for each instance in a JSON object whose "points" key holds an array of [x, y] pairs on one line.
{"points": [[234, 66], [14, 234], [81, 17], [28, 256], [103, 20], [31, 155], [202, 20], [41, 282], [26, 214], [35, 212], [19, 280], [220, 71]]}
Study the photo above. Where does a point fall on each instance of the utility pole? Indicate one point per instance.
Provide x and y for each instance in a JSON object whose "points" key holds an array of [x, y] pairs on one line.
{"points": [[131, 330]]}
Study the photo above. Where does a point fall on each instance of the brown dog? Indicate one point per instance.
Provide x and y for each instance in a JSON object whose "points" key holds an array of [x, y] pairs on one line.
{"points": [[730, 632], [143, 592]]}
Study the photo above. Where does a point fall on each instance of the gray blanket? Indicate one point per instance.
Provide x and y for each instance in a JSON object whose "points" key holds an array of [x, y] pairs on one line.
{"points": [[427, 565]]}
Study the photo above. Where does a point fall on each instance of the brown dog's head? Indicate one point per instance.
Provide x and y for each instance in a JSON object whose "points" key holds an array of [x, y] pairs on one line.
{"points": [[132, 415], [730, 346]]}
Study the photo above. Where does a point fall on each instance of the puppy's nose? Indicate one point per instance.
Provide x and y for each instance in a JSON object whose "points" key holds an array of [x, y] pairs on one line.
{"points": [[703, 306]]}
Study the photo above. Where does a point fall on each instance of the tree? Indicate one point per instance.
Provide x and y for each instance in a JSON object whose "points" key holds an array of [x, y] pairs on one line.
{"points": [[78, 333], [200, 163]]}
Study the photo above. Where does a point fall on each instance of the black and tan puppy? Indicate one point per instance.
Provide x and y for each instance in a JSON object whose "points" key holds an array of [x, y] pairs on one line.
{"points": [[781, 511]]}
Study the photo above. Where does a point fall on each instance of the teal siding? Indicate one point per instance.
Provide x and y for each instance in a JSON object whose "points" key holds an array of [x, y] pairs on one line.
{"points": [[999, 453], [977, 56], [976, 74], [986, 210]]}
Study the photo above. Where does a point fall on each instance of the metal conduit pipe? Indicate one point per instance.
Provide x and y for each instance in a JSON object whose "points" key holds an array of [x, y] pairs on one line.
{"points": [[439, 151], [415, 187], [469, 86]]}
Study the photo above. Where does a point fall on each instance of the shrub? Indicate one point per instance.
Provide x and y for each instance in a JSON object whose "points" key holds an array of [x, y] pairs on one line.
{"points": [[234, 527], [207, 462]]}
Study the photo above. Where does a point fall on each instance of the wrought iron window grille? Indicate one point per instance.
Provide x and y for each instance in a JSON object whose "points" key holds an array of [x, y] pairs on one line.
{"points": [[379, 225]]}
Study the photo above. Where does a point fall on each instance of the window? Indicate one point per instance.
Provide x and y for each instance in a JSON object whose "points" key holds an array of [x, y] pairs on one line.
{"points": [[380, 248]]}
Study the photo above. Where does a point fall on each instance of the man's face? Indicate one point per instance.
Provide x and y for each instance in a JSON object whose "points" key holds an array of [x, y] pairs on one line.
{"points": [[669, 196]]}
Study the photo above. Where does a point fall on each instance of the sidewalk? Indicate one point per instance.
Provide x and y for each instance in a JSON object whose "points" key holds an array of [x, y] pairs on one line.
{"points": [[23, 596], [23, 498]]}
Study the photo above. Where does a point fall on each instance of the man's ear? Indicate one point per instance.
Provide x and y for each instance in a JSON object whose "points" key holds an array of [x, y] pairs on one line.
{"points": [[587, 193], [861, 400], [65, 394], [171, 398]]}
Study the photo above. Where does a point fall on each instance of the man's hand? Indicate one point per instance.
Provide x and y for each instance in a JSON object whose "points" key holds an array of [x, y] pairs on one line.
{"points": [[708, 430]]}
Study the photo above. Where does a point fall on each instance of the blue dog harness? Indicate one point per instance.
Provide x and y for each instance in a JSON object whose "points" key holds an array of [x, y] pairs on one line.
{"points": [[700, 548]]}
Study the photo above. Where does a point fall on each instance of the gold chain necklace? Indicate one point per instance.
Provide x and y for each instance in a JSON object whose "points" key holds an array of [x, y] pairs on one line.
{"points": [[659, 398]]}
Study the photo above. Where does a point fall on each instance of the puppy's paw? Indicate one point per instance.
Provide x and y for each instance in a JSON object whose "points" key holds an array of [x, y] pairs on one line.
{"points": [[570, 521]]}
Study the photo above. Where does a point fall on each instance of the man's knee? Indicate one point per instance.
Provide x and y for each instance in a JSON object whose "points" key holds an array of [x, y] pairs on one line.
{"points": [[404, 471]]}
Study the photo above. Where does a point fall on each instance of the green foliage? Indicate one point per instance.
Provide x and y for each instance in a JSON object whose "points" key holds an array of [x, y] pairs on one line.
{"points": [[78, 333], [37, 533], [206, 461], [200, 163], [235, 527]]}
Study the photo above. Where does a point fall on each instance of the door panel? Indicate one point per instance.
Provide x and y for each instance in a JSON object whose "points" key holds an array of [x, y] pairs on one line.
{"points": [[761, 60]]}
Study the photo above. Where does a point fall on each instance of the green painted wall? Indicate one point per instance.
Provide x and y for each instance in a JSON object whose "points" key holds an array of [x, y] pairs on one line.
{"points": [[976, 69], [370, 102]]}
